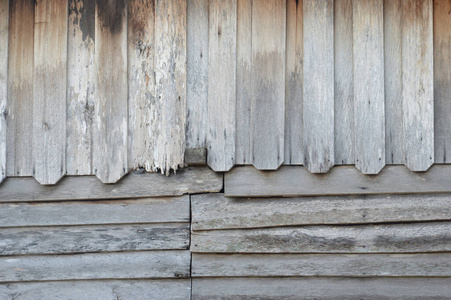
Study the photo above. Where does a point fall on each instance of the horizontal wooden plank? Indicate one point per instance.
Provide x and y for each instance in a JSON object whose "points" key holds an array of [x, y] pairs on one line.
{"points": [[347, 265], [387, 238], [150, 210], [81, 239], [321, 288], [137, 184], [173, 289], [215, 211], [342, 180], [153, 264]]}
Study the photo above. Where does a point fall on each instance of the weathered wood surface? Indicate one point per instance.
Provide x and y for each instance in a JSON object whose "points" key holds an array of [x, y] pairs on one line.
{"points": [[136, 185], [343, 180], [127, 265], [171, 289], [351, 265], [318, 94], [214, 211], [268, 83], [418, 84], [221, 84], [442, 80], [86, 239], [195, 156], [81, 86], [4, 26], [110, 109], [391, 238], [151, 210], [321, 288], [368, 68]]}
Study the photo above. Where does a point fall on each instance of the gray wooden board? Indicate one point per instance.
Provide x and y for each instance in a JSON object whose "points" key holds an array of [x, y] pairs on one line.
{"points": [[4, 26], [387, 238], [170, 289], [145, 264], [221, 127], [81, 86], [321, 288], [346, 265], [343, 180], [195, 156], [150, 210], [136, 185], [442, 80], [418, 84], [214, 211], [368, 69], [95, 238], [268, 83]]}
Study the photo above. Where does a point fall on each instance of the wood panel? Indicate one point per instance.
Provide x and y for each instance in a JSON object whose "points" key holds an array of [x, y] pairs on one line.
{"points": [[221, 84], [268, 83], [318, 95], [214, 211], [81, 86], [368, 68], [4, 26], [418, 84]]}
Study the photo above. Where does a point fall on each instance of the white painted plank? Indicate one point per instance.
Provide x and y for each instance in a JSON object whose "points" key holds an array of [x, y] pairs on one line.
{"points": [[221, 84], [4, 28], [418, 84], [81, 86], [369, 109], [318, 94]]}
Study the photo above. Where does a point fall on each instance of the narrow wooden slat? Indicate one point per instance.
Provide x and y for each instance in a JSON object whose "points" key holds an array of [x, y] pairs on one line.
{"points": [[391, 238], [110, 113], [221, 84], [170, 91], [81, 86], [214, 211], [268, 83], [318, 94], [197, 73], [357, 265], [4, 26], [418, 84]]}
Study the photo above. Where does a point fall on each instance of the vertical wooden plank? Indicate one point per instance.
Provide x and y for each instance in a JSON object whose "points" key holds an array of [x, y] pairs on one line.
{"points": [[221, 84], [442, 80], [19, 152], [318, 85], [141, 83], [418, 84], [110, 113], [49, 90], [170, 72], [80, 86], [394, 143], [197, 74], [293, 86], [369, 111], [268, 83], [344, 84], [4, 19]]}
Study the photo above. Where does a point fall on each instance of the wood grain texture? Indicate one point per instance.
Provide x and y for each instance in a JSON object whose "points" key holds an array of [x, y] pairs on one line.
{"points": [[368, 68], [388, 238], [268, 83], [197, 73], [136, 185], [147, 264], [442, 80], [418, 84], [318, 94], [4, 26], [215, 211], [343, 180], [81, 86], [294, 146], [354, 265], [171, 289], [170, 75], [221, 84]]}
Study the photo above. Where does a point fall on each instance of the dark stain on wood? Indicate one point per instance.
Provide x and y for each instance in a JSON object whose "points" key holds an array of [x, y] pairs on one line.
{"points": [[85, 12], [111, 14]]}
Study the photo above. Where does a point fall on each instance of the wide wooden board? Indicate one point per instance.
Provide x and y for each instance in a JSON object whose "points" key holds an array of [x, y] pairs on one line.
{"points": [[4, 26]]}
